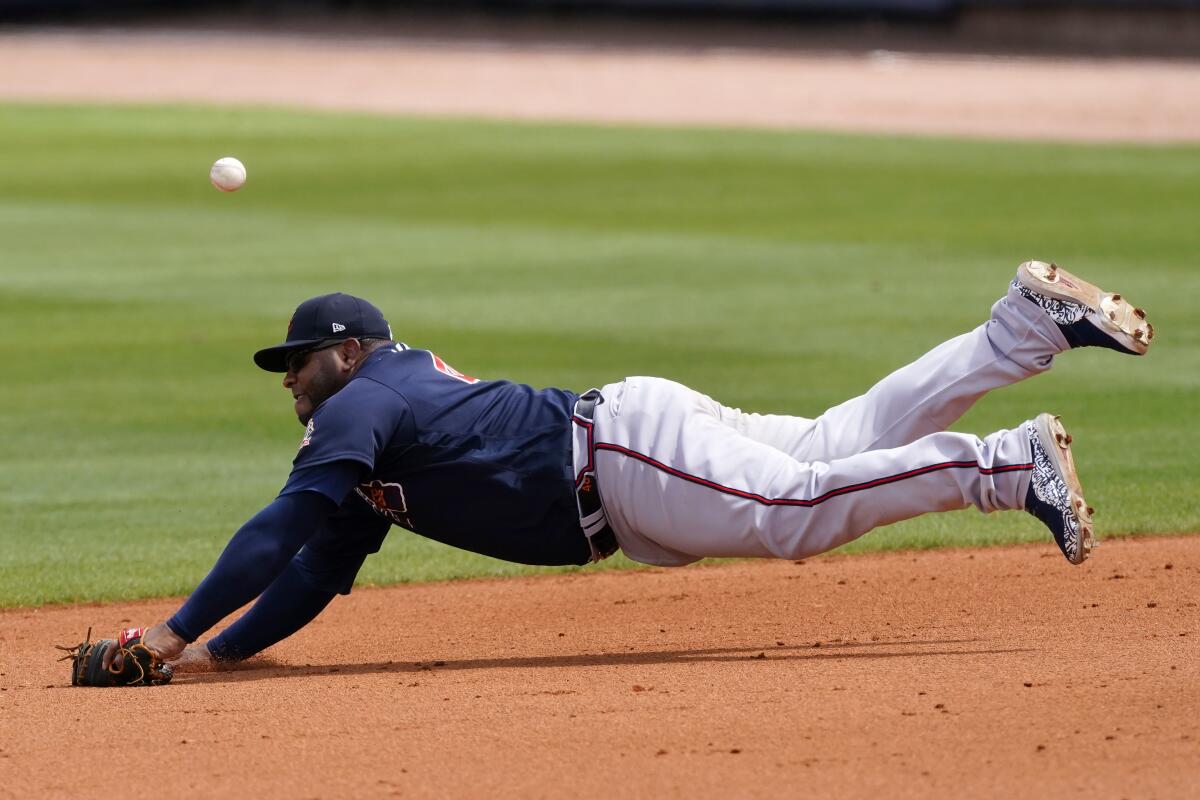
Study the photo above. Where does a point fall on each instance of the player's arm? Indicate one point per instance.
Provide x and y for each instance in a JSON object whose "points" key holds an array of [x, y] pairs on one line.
{"points": [[344, 437], [323, 569], [288, 604], [255, 555], [258, 553]]}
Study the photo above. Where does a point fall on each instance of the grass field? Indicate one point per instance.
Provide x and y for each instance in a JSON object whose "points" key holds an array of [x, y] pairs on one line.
{"points": [[779, 272]]}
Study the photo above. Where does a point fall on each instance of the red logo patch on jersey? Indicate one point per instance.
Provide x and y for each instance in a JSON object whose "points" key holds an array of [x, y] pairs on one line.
{"points": [[387, 499], [308, 432], [446, 369]]}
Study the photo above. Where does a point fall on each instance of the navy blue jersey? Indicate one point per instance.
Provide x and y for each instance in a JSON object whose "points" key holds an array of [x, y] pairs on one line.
{"points": [[481, 465]]}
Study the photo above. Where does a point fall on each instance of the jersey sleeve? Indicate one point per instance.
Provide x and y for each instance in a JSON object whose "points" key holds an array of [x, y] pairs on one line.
{"points": [[254, 557], [324, 567], [334, 479], [356, 424], [332, 558]]}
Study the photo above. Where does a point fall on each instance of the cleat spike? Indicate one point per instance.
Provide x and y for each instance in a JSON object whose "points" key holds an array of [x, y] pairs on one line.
{"points": [[1139, 313], [1139, 333], [1116, 298], [1091, 511], [1112, 315]]}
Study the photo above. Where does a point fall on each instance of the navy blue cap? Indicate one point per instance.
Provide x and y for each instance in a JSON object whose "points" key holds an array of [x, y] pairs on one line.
{"points": [[322, 319]]}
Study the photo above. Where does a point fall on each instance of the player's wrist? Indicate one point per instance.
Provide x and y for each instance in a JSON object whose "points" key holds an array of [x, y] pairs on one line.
{"points": [[178, 629]]}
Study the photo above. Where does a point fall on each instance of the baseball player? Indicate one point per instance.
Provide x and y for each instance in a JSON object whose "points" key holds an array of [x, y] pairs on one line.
{"points": [[396, 436]]}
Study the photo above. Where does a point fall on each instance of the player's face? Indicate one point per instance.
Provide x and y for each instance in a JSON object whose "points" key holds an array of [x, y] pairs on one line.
{"points": [[314, 377]]}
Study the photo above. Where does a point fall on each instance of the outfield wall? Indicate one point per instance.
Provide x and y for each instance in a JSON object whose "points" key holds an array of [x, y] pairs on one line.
{"points": [[1083, 27], [902, 6]]}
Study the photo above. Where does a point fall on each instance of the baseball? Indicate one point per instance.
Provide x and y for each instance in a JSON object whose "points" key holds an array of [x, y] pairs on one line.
{"points": [[227, 174]]}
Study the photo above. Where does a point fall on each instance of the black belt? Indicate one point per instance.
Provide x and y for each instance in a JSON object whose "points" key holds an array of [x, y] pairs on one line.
{"points": [[587, 491]]}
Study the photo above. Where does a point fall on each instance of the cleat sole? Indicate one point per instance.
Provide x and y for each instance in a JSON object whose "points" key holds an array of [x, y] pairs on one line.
{"points": [[1112, 313], [1051, 430]]}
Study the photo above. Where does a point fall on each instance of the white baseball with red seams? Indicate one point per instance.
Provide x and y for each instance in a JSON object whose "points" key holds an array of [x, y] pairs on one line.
{"points": [[227, 174], [683, 477]]}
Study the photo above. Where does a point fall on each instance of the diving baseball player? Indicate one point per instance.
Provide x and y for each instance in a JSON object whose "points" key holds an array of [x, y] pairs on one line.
{"points": [[395, 436]]}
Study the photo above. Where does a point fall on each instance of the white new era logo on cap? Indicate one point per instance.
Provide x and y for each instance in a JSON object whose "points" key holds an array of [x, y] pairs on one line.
{"points": [[338, 327]]}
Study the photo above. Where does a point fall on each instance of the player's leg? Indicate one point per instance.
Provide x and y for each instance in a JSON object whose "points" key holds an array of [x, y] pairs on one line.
{"points": [[679, 484], [1045, 311], [1018, 340]]}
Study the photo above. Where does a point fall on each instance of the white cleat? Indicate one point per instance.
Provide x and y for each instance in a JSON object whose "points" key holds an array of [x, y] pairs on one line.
{"points": [[1055, 495], [1087, 315]]}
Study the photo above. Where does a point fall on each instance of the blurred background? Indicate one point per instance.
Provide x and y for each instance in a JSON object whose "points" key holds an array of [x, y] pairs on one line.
{"points": [[1128, 27]]}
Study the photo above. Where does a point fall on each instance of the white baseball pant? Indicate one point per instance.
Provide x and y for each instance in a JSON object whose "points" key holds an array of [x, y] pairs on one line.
{"points": [[683, 477]]}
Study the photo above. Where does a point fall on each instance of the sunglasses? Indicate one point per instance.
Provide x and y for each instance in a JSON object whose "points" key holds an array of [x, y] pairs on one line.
{"points": [[297, 360]]}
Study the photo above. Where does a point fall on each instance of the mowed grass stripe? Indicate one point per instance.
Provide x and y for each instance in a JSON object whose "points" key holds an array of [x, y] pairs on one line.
{"points": [[779, 272]]}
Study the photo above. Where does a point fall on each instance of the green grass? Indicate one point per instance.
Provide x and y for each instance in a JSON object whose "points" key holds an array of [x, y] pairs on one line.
{"points": [[776, 271]]}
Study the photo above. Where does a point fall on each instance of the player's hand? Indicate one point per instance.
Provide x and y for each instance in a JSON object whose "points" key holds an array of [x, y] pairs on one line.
{"points": [[159, 639], [163, 641], [194, 655]]}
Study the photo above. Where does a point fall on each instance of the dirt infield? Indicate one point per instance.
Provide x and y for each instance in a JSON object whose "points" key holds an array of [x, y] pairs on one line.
{"points": [[877, 91], [968, 673]]}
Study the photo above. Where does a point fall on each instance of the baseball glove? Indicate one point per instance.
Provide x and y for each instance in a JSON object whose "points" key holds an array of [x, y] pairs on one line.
{"points": [[133, 663]]}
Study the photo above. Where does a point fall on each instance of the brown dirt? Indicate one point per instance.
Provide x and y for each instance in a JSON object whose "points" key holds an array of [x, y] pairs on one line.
{"points": [[965, 673], [880, 91]]}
